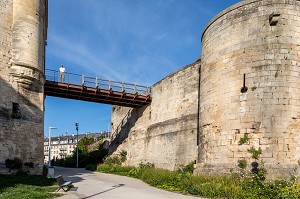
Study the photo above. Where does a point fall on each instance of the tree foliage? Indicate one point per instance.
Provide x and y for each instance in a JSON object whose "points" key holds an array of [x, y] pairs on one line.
{"points": [[85, 156], [83, 144]]}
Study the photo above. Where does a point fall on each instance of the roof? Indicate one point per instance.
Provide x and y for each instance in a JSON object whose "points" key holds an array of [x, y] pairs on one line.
{"points": [[73, 136]]}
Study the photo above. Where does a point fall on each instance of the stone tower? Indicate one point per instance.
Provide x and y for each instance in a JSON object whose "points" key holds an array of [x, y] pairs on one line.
{"points": [[250, 87], [23, 32]]}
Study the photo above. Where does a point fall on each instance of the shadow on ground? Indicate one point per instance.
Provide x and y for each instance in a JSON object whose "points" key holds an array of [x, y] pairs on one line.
{"points": [[114, 187]]}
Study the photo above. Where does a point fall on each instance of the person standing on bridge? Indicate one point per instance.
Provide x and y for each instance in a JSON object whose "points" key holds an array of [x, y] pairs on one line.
{"points": [[62, 71]]}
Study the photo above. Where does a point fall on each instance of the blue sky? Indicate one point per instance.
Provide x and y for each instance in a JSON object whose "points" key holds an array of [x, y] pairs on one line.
{"points": [[135, 41]]}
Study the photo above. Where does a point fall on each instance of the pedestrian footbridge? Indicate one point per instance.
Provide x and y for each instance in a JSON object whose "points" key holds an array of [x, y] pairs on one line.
{"points": [[93, 89]]}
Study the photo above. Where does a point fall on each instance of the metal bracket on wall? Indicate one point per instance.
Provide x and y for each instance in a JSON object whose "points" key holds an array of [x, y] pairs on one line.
{"points": [[244, 89], [273, 18]]}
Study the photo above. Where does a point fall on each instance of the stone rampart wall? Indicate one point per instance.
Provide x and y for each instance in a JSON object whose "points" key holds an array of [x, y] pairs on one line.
{"points": [[165, 132]]}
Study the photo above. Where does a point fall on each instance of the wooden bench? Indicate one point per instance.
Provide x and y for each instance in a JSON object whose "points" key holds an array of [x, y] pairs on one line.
{"points": [[62, 183]]}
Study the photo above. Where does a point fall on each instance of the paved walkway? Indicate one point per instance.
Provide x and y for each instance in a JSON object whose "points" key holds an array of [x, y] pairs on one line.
{"points": [[98, 185]]}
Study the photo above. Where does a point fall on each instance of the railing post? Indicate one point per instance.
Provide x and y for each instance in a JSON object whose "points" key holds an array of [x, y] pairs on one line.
{"points": [[82, 81], [109, 85], [96, 82], [135, 88], [123, 88], [129, 114]]}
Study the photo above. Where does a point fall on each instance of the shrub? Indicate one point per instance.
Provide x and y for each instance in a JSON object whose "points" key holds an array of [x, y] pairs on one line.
{"points": [[135, 172], [242, 164], [259, 171], [189, 168], [91, 167], [45, 170], [96, 157], [291, 192], [14, 164], [29, 164], [146, 165], [113, 160], [83, 144], [105, 168], [121, 170], [123, 155]]}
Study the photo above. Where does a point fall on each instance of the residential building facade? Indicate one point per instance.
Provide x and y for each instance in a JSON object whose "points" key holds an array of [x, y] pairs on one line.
{"points": [[64, 145]]}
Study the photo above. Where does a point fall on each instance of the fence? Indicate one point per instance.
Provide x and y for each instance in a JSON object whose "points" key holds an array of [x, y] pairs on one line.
{"points": [[95, 82]]}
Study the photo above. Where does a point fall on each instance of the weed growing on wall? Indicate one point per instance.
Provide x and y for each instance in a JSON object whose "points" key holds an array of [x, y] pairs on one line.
{"points": [[255, 152], [123, 155], [258, 171], [244, 139]]}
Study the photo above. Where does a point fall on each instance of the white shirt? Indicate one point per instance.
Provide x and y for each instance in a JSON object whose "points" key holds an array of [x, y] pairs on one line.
{"points": [[62, 69]]}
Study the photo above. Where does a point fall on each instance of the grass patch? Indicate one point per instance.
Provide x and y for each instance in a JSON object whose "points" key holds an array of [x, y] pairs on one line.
{"points": [[27, 186], [207, 186]]}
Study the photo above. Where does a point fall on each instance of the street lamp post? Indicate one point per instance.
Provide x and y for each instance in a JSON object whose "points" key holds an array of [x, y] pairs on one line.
{"points": [[77, 126], [49, 145]]}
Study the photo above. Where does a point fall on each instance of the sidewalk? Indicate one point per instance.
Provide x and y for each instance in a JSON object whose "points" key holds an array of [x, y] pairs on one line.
{"points": [[98, 185]]}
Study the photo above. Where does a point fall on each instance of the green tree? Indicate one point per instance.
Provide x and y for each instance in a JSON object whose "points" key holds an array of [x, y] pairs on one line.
{"points": [[83, 144]]}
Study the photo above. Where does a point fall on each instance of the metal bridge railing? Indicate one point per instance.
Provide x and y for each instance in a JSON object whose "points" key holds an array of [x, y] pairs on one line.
{"points": [[95, 82]]}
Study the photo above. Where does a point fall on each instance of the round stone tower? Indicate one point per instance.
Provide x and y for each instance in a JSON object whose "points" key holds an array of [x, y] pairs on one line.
{"points": [[250, 88], [28, 43], [23, 33]]}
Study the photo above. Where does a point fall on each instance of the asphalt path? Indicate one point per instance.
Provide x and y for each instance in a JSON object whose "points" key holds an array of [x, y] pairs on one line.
{"points": [[91, 185]]}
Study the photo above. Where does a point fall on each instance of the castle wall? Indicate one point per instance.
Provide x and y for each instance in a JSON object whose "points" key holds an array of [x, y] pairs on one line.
{"points": [[23, 27], [248, 39], [165, 132], [250, 83]]}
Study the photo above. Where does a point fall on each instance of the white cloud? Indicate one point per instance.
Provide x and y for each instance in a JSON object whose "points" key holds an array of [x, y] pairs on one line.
{"points": [[80, 55]]}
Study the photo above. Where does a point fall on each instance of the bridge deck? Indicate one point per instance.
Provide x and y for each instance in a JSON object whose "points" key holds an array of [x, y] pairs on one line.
{"points": [[96, 90]]}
